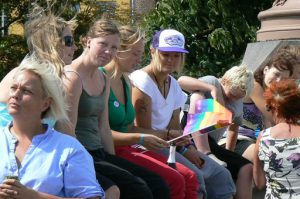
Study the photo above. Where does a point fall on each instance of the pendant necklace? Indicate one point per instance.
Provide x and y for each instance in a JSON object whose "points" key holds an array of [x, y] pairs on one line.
{"points": [[158, 86]]}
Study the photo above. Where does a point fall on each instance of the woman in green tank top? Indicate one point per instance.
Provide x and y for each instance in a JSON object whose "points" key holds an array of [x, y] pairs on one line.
{"points": [[133, 143]]}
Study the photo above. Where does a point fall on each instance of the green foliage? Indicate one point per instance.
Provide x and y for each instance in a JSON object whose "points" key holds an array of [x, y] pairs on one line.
{"points": [[216, 31], [13, 49]]}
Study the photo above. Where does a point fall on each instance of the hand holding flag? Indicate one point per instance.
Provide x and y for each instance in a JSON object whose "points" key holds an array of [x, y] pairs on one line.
{"points": [[209, 115]]}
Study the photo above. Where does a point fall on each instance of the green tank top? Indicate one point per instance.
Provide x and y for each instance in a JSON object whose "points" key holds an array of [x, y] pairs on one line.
{"points": [[120, 115], [87, 127]]}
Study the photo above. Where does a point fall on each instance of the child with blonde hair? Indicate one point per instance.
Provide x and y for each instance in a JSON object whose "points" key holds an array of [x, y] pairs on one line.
{"points": [[230, 89]]}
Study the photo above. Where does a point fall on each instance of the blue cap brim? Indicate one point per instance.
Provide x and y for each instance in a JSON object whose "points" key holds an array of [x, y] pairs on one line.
{"points": [[172, 49]]}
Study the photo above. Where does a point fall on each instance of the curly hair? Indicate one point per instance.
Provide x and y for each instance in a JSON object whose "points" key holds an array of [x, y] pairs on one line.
{"points": [[239, 77], [283, 98]]}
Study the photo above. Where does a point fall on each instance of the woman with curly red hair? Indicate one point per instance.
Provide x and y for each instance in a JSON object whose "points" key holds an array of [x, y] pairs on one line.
{"points": [[277, 152]]}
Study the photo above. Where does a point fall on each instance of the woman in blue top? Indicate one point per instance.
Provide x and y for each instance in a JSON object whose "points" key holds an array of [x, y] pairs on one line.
{"points": [[37, 161]]}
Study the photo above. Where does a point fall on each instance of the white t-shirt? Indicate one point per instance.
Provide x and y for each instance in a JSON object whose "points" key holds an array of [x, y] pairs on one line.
{"points": [[162, 109]]}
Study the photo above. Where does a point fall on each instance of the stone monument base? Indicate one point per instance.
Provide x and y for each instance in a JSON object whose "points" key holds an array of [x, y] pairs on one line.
{"points": [[259, 53]]}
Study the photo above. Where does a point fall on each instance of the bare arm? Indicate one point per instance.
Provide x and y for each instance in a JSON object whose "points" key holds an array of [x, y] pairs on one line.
{"points": [[174, 122], [257, 97], [150, 141], [143, 107], [231, 138], [258, 172], [106, 134], [73, 90], [191, 85]]}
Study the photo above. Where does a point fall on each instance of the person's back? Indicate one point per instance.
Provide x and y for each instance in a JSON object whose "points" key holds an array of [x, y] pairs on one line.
{"points": [[281, 155], [277, 153]]}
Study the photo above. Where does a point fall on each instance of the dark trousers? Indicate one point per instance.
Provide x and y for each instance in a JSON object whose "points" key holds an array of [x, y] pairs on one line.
{"points": [[134, 181], [234, 161]]}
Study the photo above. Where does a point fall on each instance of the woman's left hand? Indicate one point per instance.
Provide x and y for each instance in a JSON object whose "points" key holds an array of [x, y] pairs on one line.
{"points": [[193, 156], [12, 188], [176, 133]]}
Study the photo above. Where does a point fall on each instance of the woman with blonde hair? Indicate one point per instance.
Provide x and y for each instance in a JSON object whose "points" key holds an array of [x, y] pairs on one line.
{"points": [[87, 91], [49, 39], [36, 160], [157, 98], [130, 139]]}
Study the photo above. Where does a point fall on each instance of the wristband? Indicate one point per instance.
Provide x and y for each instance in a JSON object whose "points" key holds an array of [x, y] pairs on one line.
{"points": [[190, 144], [141, 140], [183, 150]]}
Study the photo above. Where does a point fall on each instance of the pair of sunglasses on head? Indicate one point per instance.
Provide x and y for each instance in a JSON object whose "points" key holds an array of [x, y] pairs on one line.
{"points": [[69, 41]]}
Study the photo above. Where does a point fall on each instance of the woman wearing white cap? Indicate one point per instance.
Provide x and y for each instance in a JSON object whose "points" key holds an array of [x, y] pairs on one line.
{"points": [[157, 98]]}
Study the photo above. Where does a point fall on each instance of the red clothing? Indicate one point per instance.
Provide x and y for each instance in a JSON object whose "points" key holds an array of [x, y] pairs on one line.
{"points": [[182, 182]]}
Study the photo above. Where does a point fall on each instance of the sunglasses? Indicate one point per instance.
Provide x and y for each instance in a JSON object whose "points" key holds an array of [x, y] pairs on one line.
{"points": [[69, 41]]}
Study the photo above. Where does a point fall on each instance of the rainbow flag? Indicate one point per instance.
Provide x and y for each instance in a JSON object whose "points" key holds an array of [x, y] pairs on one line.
{"points": [[209, 115]]}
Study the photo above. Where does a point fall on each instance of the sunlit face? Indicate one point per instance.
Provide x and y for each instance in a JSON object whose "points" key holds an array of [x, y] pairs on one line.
{"points": [[131, 57], [272, 74], [102, 50], [68, 46], [233, 94], [169, 61], [26, 97]]}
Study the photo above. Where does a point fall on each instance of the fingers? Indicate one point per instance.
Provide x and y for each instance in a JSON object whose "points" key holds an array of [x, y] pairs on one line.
{"points": [[198, 162], [155, 143], [8, 191], [11, 187]]}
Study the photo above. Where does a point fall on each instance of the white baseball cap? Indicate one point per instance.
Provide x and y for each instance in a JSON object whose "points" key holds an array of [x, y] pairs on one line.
{"points": [[169, 40]]}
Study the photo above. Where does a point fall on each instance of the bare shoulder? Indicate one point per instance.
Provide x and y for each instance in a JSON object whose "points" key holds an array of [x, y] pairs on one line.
{"points": [[72, 81]]}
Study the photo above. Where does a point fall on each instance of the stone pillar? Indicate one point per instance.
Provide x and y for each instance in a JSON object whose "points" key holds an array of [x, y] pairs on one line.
{"points": [[144, 6], [280, 25]]}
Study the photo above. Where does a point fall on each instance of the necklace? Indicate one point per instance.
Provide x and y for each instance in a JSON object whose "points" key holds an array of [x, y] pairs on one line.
{"points": [[163, 92]]}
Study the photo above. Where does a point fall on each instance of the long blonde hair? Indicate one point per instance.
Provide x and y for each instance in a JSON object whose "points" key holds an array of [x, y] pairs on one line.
{"points": [[129, 35], [43, 31]]}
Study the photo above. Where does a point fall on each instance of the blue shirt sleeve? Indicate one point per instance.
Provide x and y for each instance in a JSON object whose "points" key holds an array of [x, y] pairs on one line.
{"points": [[79, 175]]}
